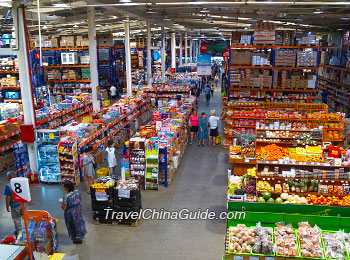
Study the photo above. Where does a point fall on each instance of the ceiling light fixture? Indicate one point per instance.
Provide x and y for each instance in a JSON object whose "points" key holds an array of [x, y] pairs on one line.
{"points": [[204, 10], [75, 26], [61, 5], [150, 11], [340, 29], [318, 12], [124, 1], [344, 18], [246, 28], [166, 18]]}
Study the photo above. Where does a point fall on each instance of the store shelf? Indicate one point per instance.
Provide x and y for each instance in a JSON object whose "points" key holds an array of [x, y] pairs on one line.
{"points": [[89, 139], [299, 164], [243, 126], [69, 81], [282, 118], [272, 47], [9, 71], [291, 143], [8, 147], [312, 178], [309, 193], [10, 88], [4, 137], [272, 68], [274, 90], [333, 82], [335, 67], [61, 49], [289, 130], [13, 100], [67, 66], [276, 97]]}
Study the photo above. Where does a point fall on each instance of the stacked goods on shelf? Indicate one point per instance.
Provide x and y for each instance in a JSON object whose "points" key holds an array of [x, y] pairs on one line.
{"points": [[137, 159], [264, 33], [285, 38], [306, 59], [285, 58], [9, 81], [9, 110], [9, 136], [8, 64], [152, 164], [47, 148], [21, 157], [102, 199], [127, 201], [68, 160]]}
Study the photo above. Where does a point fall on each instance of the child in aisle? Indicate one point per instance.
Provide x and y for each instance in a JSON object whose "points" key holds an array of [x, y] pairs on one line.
{"points": [[203, 129], [111, 159]]}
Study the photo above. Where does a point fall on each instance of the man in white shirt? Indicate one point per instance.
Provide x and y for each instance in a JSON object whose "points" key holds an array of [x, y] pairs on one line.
{"points": [[111, 159], [213, 125], [113, 91]]}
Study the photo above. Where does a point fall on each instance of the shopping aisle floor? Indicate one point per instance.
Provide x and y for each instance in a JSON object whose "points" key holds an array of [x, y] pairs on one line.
{"points": [[200, 182]]}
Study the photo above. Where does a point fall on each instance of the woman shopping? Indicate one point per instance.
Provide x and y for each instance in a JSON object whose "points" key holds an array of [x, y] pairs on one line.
{"points": [[194, 125], [213, 125], [202, 129], [73, 214], [88, 167]]}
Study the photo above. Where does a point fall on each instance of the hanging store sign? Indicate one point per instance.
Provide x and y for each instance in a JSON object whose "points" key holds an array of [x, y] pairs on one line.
{"points": [[204, 65]]}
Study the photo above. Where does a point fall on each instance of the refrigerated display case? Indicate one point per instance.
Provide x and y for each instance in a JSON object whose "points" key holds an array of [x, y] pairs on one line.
{"points": [[47, 147], [21, 159]]}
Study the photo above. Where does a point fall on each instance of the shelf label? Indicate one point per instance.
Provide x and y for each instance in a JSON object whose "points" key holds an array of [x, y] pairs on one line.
{"points": [[51, 135], [124, 193], [237, 257], [101, 196], [269, 258], [253, 258]]}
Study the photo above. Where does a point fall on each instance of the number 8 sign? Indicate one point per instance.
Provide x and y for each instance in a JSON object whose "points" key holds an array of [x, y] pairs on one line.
{"points": [[20, 190]]}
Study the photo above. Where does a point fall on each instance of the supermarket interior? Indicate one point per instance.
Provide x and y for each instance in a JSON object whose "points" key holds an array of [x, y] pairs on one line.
{"points": [[188, 129]]}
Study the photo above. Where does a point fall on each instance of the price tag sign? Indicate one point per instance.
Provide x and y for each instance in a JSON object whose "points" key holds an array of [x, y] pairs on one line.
{"points": [[238, 257], [51, 135], [124, 193], [269, 258], [253, 258], [101, 196], [20, 190]]}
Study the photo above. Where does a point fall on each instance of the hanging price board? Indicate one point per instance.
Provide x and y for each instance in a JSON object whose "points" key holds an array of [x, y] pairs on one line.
{"points": [[20, 190]]}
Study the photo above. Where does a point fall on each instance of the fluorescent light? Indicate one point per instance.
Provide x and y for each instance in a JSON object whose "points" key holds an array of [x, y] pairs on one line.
{"points": [[204, 10], [246, 28], [340, 29], [124, 1], [318, 12], [344, 18], [150, 11], [166, 18], [75, 26], [60, 5]]}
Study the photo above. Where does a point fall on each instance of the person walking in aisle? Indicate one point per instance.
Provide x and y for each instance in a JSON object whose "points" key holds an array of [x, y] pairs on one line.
{"points": [[73, 214], [212, 90], [207, 91], [202, 129], [88, 166], [14, 207], [213, 125], [194, 125], [111, 159], [113, 91]]}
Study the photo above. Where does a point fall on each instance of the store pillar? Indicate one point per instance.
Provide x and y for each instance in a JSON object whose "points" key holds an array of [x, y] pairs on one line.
{"points": [[181, 50], [149, 58], [191, 51], [93, 57], [24, 77], [163, 55], [186, 50], [173, 52], [127, 57]]}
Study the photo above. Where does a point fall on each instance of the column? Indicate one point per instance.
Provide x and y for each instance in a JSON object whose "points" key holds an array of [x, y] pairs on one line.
{"points": [[93, 57], [186, 50], [149, 58], [191, 51], [163, 55], [173, 51], [180, 56], [127, 58], [24, 77]]}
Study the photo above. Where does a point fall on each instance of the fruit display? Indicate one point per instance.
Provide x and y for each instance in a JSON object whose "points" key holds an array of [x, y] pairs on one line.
{"points": [[103, 183], [235, 185], [347, 241], [310, 240], [240, 239], [286, 240], [235, 152], [333, 245], [329, 201], [272, 152], [263, 240], [264, 186], [248, 184]]}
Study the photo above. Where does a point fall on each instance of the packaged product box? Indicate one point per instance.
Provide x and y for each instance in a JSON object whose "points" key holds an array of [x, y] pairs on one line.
{"points": [[84, 43], [63, 44], [54, 43], [70, 44]]}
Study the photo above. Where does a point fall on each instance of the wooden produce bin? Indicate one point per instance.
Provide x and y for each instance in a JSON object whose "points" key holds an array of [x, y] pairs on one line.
{"points": [[240, 166]]}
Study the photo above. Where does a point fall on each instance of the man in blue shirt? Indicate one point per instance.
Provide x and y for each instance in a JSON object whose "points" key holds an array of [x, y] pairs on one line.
{"points": [[207, 91], [13, 207]]}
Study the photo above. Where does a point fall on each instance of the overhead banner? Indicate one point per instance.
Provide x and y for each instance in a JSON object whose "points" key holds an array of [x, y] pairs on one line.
{"points": [[203, 65]]}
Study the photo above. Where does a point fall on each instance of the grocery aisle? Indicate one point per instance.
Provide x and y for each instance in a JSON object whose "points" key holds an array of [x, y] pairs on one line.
{"points": [[200, 182]]}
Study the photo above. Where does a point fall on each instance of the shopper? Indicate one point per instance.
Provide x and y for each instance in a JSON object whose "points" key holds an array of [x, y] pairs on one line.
{"points": [[202, 129], [207, 91], [324, 96], [113, 91], [111, 159], [194, 125], [88, 166], [212, 90], [14, 207], [73, 214], [334, 151], [213, 125]]}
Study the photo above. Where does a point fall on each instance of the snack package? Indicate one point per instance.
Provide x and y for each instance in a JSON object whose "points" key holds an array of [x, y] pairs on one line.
{"points": [[263, 240], [286, 240], [333, 244], [310, 240]]}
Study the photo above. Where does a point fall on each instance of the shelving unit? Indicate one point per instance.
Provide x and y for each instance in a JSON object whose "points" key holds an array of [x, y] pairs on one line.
{"points": [[69, 162], [152, 164], [244, 84], [138, 159]]}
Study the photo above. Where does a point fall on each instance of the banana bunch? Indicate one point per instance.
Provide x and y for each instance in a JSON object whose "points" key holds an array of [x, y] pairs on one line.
{"points": [[252, 172], [264, 186]]}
